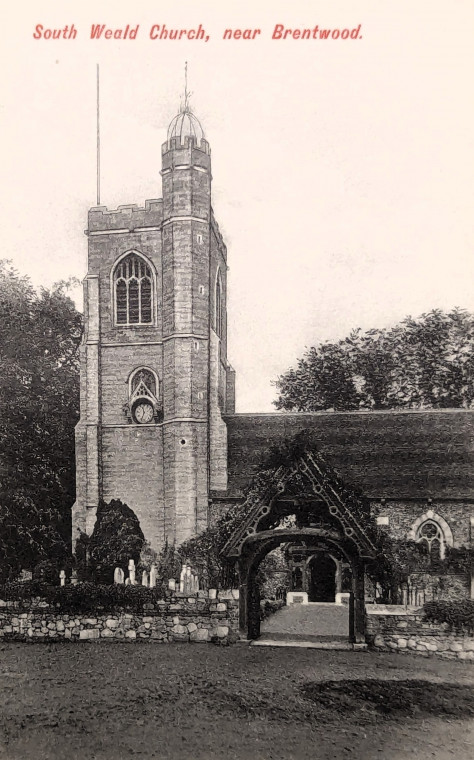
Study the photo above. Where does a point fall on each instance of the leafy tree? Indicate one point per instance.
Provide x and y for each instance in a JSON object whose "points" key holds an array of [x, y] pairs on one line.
{"points": [[273, 576], [420, 363], [117, 537], [39, 407]]}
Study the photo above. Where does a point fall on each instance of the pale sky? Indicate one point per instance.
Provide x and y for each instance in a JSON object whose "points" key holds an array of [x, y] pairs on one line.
{"points": [[342, 169]]}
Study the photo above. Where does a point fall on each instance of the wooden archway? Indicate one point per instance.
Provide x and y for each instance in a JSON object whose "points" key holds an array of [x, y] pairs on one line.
{"points": [[302, 502]]}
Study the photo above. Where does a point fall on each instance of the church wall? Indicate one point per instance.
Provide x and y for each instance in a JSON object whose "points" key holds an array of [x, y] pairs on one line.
{"points": [[132, 470], [218, 364], [402, 515], [185, 479], [218, 261]]}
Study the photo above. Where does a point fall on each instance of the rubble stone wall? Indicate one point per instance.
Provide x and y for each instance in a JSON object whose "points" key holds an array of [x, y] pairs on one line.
{"points": [[180, 618], [396, 628]]}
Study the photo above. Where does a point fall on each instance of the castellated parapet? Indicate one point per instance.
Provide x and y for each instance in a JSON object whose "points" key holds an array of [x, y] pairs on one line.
{"points": [[189, 142], [127, 218]]}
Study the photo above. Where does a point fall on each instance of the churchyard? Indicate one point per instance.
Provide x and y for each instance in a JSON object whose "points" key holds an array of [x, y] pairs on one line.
{"points": [[136, 699]]}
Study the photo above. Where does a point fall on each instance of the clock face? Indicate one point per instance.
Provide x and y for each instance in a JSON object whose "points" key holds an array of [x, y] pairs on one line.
{"points": [[143, 412]]}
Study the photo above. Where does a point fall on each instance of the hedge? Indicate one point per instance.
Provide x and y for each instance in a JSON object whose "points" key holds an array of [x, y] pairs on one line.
{"points": [[458, 615], [84, 597]]}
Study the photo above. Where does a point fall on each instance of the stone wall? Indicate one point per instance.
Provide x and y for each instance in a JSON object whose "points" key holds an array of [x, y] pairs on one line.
{"points": [[180, 618], [401, 515], [397, 628]]}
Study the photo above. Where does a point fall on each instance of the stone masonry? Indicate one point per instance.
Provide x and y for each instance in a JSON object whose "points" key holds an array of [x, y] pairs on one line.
{"points": [[395, 628], [190, 618]]}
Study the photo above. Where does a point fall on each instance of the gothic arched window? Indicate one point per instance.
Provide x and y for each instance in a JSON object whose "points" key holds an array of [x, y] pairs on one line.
{"points": [[431, 537], [133, 289], [143, 383], [219, 306], [433, 533]]}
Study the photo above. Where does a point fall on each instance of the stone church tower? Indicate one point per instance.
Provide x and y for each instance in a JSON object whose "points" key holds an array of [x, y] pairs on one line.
{"points": [[155, 380]]}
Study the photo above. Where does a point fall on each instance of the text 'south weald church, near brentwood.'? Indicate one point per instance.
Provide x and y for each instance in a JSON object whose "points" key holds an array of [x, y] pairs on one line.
{"points": [[158, 427]]}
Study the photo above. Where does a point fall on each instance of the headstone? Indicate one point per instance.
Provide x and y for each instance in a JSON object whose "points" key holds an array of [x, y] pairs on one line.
{"points": [[153, 575], [74, 580], [172, 584], [62, 578], [182, 578], [119, 575], [131, 572], [144, 578], [188, 580], [212, 593]]}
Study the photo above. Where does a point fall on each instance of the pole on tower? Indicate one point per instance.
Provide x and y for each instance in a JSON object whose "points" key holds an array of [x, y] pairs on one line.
{"points": [[98, 139]]}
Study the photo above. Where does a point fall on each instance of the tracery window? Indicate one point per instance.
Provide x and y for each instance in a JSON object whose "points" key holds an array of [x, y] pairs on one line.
{"points": [[133, 283], [144, 406], [143, 383], [431, 537]]}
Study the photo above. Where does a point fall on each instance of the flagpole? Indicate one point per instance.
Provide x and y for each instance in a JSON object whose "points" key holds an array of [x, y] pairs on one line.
{"points": [[98, 140]]}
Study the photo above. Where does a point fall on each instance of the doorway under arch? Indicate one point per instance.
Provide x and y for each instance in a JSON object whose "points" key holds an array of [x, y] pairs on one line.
{"points": [[322, 578], [263, 543]]}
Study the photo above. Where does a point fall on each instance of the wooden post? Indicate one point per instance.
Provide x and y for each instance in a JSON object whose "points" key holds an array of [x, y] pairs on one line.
{"points": [[359, 603], [242, 600]]}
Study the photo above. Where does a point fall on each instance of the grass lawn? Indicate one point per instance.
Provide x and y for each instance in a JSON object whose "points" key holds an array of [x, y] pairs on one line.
{"points": [[125, 699]]}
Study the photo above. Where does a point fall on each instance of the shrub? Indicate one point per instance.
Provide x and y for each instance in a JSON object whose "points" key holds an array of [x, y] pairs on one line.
{"points": [[85, 597], [117, 538], [458, 615], [47, 572]]}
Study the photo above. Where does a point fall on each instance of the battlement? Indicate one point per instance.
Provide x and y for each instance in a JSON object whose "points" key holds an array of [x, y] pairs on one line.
{"points": [[128, 217], [188, 142], [184, 155]]}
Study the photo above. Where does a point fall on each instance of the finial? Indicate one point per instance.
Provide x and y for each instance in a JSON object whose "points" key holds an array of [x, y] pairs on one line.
{"points": [[185, 107]]}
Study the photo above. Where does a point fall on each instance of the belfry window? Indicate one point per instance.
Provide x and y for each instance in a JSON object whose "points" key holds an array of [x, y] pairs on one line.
{"points": [[133, 283], [219, 307], [431, 538]]}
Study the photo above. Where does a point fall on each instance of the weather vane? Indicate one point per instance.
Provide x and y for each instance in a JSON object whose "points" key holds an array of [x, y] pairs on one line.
{"points": [[187, 94]]}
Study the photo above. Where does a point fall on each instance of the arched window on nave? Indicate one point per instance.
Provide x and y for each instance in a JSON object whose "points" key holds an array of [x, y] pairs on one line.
{"points": [[431, 538]]}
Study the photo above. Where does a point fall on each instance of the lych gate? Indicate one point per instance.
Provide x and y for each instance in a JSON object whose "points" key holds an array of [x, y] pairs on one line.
{"points": [[304, 505]]}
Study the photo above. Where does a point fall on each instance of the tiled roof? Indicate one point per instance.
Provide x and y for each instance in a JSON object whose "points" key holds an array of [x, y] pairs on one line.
{"points": [[393, 454]]}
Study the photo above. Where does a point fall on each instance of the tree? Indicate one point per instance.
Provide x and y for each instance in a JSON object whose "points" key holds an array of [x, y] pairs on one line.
{"points": [[117, 537], [39, 407], [420, 363]]}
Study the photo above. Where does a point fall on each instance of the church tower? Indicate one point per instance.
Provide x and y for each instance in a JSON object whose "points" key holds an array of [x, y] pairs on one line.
{"points": [[155, 380]]}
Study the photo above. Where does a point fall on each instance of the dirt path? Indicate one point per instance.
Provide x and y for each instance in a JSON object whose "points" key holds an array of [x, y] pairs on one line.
{"points": [[198, 702], [306, 620]]}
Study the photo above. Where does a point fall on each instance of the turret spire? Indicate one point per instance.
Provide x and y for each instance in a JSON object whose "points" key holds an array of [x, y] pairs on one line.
{"points": [[185, 124]]}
